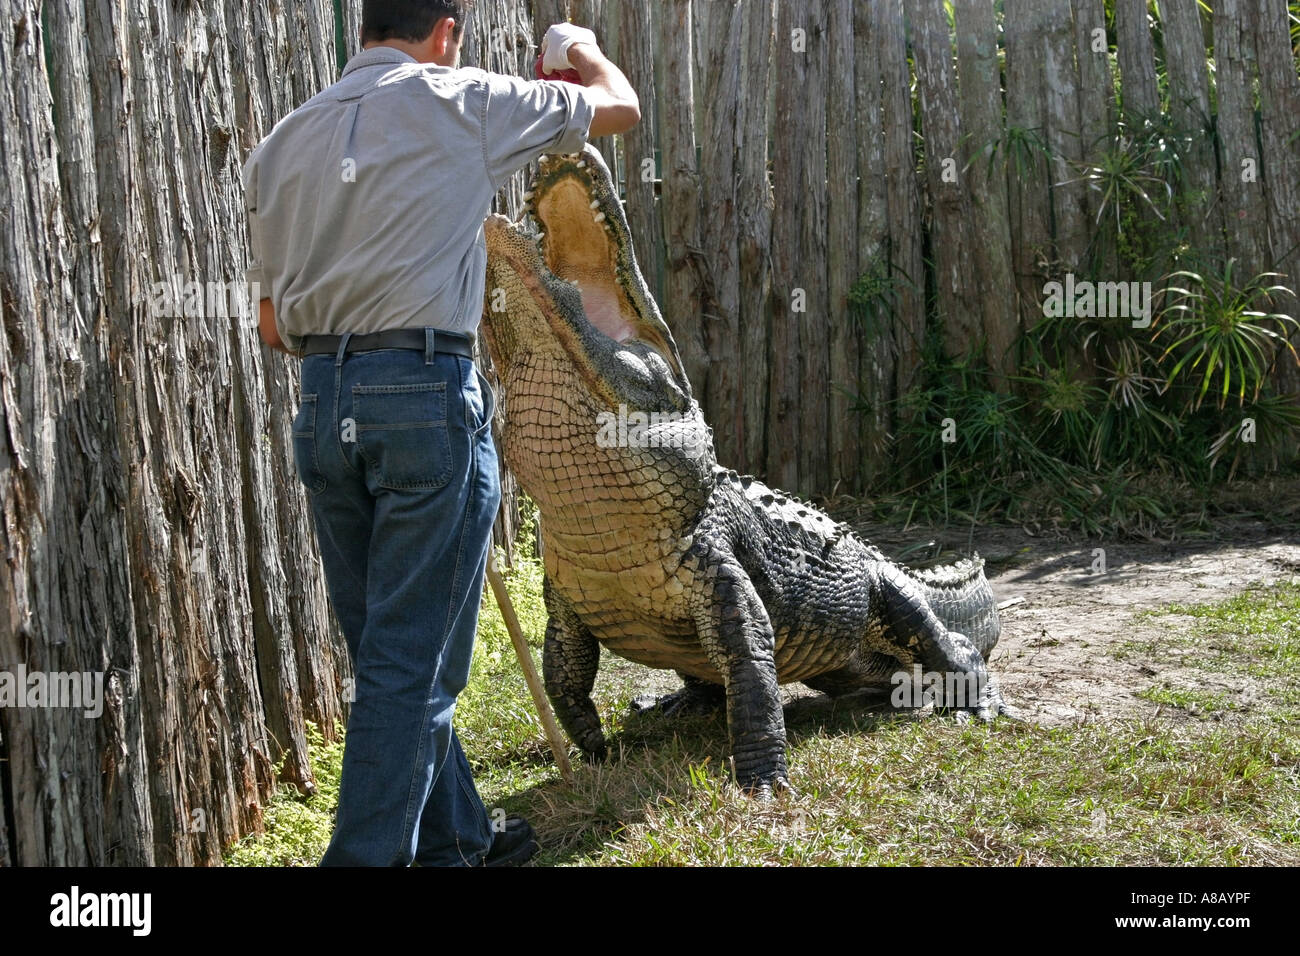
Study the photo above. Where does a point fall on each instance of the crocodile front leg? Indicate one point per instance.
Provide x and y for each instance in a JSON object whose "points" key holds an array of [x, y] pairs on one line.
{"points": [[735, 631], [570, 657], [911, 625]]}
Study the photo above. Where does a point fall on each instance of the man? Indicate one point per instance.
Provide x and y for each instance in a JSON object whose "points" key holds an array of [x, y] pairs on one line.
{"points": [[366, 209]]}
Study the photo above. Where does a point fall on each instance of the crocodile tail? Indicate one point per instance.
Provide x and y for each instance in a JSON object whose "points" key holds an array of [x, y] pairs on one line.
{"points": [[960, 596]]}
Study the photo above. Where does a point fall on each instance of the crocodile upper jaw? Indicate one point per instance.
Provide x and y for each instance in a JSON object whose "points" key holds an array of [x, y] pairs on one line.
{"points": [[579, 270]]}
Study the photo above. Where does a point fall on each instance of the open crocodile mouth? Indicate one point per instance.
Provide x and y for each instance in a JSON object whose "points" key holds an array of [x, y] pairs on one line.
{"points": [[583, 243]]}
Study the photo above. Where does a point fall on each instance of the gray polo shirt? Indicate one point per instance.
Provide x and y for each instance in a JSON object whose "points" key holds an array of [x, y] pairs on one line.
{"points": [[366, 204]]}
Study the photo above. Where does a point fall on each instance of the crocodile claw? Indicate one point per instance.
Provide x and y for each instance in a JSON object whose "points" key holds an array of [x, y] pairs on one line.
{"points": [[767, 788], [987, 710], [691, 699], [596, 755], [1003, 709]]}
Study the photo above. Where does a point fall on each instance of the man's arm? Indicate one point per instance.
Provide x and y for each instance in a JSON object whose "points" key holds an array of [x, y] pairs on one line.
{"points": [[618, 108], [266, 327], [254, 275]]}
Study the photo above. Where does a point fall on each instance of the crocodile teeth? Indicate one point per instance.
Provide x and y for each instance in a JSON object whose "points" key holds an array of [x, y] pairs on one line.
{"points": [[528, 197], [600, 217], [543, 158], [541, 236], [595, 204], [582, 164]]}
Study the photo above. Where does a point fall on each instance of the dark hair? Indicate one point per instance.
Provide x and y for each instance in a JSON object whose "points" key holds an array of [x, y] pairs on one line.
{"points": [[411, 20]]}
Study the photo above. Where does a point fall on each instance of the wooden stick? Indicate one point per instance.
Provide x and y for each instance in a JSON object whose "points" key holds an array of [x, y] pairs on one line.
{"points": [[558, 746]]}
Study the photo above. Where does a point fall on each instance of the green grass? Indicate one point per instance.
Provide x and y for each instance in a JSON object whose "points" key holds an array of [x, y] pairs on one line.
{"points": [[879, 787], [1254, 636], [298, 827], [1261, 625], [1192, 701], [496, 719], [901, 791]]}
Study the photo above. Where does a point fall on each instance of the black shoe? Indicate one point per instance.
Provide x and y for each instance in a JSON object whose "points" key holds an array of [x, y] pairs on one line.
{"points": [[513, 846]]}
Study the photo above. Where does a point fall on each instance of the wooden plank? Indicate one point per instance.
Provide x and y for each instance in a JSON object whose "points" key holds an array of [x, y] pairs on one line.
{"points": [[36, 335], [1279, 100], [754, 219], [809, 83], [1189, 108], [685, 295], [992, 280], [786, 373], [842, 250], [547, 12], [903, 202], [1071, 230], [1137, 61], [722, 87], [151, 471], [875, 338], [636, 60], [936, 84], [1026, 168], [1097, 114], [1240, 184]]}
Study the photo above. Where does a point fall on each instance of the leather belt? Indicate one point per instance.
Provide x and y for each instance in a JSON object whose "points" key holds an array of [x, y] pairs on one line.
{"points": [[452, 342]]}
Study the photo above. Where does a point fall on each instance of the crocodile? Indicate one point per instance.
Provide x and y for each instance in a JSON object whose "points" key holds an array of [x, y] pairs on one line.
{"points": [[653, 550]]}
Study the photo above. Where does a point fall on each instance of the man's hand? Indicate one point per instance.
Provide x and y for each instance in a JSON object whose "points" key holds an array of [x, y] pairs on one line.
{"points": [[574, 51], [556, 43], [266, 326]]}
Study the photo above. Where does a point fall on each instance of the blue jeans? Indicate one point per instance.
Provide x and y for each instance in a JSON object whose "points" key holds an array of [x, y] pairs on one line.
{"points": [[395, 449]]}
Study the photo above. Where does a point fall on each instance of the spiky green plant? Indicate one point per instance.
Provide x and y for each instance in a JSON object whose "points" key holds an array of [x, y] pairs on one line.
{"points": [[1217, 331]]}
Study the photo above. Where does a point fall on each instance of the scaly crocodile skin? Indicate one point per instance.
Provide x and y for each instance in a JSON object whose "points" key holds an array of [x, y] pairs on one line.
{"points": [[653, 550]]}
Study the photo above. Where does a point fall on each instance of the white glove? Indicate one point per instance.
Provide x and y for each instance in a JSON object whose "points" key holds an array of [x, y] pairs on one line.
{"points": [[556, 43]]}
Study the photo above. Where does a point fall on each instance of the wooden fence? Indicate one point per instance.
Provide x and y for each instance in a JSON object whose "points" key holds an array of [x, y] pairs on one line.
{"points": [[151, 521], [940, 147], [152, 527]]}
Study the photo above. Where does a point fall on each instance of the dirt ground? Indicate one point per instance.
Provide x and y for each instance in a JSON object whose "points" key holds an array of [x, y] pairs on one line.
{"points": [[1056, 660], [1067, 651]]}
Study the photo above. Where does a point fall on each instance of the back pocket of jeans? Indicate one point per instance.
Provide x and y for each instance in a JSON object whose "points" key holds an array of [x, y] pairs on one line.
{"points": [[402, 434], [304, 445]]}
